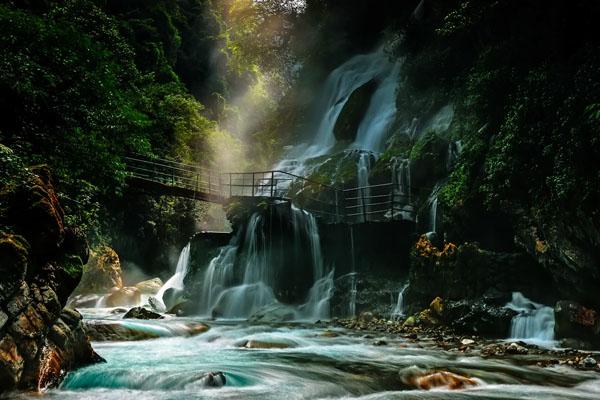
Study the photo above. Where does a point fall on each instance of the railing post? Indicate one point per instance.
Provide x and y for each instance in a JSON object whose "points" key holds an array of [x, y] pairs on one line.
{"points": [[209, 185], [230, 192], [253, 184], [272, 181]]}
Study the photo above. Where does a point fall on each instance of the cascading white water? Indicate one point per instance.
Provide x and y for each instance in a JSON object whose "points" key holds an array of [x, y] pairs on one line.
{"points": [[398, 311], [218, 273], [376, 123], [363, 168], [534, 321], [338, 87], [176, 281], [255, 292], [433, 208]]}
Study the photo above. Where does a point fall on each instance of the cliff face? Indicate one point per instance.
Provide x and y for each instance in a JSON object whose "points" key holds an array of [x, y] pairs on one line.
{"points": [[41, 261]]}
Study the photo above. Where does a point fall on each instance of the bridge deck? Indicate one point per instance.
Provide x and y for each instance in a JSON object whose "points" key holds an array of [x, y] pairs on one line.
{"points": [[383, 202]]}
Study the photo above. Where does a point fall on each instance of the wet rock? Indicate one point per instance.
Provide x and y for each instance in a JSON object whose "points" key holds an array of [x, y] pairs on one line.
{"points": [[150, 286], [380, 343], [11, 363], [329, 334], [259, 344], [467, 342], [141, 313], [353, 111], [213, 379], [123, 297], [427, 380], [40, 265], [172, 297], [517, 349], [477, 317], [274, 313], [112, 331], [589, 362], [366, 316], [101, 273], [437, 306], [572, 320]]}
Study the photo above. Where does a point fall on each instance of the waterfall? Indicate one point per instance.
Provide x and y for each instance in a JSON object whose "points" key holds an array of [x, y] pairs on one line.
{"points": [[398, 311], [338, 87], [176, 281], [433, 208], [534, 321], [363, 168], [376, 123], [217, 275], [222, 296]]}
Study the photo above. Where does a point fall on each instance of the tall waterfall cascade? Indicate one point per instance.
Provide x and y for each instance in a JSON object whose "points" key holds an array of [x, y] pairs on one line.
{"points": [[225, 297], [533, 322], [339, 86]]}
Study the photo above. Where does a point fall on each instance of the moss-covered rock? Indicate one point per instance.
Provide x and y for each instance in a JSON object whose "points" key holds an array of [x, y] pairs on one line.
{"points": [[102, 272]]}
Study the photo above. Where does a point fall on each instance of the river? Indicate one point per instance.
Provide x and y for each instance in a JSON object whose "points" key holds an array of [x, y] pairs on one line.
{"points": [[318, 364]]}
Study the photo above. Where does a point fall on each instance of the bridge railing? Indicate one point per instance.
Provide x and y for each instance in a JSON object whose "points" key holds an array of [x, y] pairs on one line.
{"points": [[374, 203], [175, 174]]}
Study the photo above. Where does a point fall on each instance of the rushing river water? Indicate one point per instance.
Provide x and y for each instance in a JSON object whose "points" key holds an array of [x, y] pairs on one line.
{"points": [[315, 366]]}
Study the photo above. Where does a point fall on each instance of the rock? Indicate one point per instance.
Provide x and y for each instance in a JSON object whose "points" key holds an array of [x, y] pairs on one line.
{"points": [[213, 379], [352, 113], [156, 304], [273, 313], [366, 316], [380, 343], [84, 301], [172, 297], [258, 344], [572, 320], [589, 362], [427, 380], [476, 317], [141, 313], [40, 265], [101, 273], [410, 321], [467, 342], [108, 331], [515, 348], [123, 297], [329, 334], [437, 306], [150, 286], [11, 363]]}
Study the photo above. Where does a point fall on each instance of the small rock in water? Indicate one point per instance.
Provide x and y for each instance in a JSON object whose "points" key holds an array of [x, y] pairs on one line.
{"points": [[467, 342], [380, 343], [257, 344], [329, 334], [142, 313], [589, 362], [427, 380], [213, 379], [515, 348]]}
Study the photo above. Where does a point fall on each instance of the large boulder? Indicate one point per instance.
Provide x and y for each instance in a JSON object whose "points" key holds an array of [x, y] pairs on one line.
{"points": [[478, 317], [123, 297], [102, 272], [574, 321], [150, 286], [141, 313]]}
